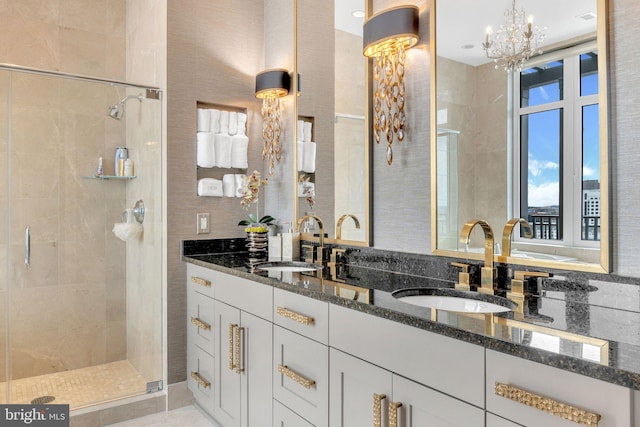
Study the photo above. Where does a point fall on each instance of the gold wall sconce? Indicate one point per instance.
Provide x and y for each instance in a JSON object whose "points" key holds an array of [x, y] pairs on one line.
{"points": [[271, 85], [387, 35]]}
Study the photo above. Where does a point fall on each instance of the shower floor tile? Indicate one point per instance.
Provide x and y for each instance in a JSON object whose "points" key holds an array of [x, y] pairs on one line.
{"points": [[79, 387]]}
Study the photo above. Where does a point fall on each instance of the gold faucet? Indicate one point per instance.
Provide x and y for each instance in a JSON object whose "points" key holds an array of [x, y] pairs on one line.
{"points": [[320, 250], [518, 292], [341, 220], [487, 273], [508, 231]]}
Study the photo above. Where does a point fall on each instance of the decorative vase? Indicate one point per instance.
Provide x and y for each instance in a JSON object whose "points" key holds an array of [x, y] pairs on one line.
{"points": [[257, 242]]}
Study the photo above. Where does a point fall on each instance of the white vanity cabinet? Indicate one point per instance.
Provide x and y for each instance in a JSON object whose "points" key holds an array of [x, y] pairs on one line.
{"points": [[363, 394], [557, 390], [495, 421]]}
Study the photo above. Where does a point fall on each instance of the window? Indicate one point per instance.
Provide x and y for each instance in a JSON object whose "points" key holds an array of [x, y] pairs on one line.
{"points": [[556, 142]]}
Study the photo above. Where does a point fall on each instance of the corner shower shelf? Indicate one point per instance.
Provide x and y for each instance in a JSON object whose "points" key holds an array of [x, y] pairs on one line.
{"points": [[105, 177]]}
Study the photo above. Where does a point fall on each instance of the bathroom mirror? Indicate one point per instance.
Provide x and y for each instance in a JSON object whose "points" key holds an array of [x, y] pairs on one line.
{"points": [[332, 150], [530, 143]]}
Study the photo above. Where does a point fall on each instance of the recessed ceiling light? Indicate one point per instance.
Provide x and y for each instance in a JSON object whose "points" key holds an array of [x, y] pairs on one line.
{"points": [[358, 13], [467, 46]]}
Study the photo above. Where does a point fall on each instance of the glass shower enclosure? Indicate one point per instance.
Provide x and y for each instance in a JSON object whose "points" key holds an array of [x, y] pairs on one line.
{"points": [[80, 309]]}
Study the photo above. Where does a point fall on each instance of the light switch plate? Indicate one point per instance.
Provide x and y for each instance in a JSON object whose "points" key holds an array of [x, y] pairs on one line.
{"points": [[203, 225]]}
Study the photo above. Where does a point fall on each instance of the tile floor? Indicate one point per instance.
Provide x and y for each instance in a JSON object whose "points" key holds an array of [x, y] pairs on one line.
{"points": [[188, 416]]}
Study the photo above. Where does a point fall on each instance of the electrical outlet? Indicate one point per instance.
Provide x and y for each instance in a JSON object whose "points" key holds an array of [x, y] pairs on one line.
{"points": [[203, 224]]}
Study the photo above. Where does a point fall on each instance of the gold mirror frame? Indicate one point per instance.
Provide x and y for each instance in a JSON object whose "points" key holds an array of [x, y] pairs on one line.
{"points": [[605, 243]]}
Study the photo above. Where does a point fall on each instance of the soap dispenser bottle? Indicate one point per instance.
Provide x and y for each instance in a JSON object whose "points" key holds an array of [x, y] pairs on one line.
{"points": [[290, 245]]}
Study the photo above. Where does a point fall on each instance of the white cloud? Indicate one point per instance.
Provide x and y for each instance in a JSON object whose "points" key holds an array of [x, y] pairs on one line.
{"points": [[537, 167], [545, 194], [588, 172]]}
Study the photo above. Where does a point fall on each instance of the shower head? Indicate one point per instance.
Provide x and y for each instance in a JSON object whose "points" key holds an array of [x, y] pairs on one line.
{"points": [[116, 111]]}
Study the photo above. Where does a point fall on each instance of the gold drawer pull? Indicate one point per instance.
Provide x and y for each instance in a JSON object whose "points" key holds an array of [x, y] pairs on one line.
{"points": [[200, 281], [200, 380], [393, 413], [297, 317], [377, 409], [296, 377], [237, 364], [550, 406], [200, 324], [232, 328]]}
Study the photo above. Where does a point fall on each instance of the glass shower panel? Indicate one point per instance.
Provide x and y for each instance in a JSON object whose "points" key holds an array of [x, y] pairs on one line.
{"points": [[447, 188], [71, 337], [4, 225]]}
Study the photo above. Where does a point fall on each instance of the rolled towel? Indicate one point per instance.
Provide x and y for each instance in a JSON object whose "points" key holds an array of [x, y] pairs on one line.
{"points": [[215, 120], [240, 179], [308, 157], [229, 185], [307, 132], [210, 187], [224, 121], [203, 120], [299, 154], [239, 149], [206, 155], [242, 124], [233, 123], [300, 129], [223, 150]]}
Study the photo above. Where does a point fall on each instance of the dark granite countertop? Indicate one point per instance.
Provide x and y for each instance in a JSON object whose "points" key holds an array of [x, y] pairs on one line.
{"points": [[591, 329]]}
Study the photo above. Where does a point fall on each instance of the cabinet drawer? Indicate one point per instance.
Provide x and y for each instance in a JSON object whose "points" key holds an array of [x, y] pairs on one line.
{"points": [[301, 314], [200, 320], [200, 366], [285, 417], [301, 375], [446, 364], [252, 297], [610, 401], [200, 279]]}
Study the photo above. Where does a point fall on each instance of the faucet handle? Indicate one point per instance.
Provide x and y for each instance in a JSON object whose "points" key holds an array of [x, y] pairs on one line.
{"points": [[465, 279], [518, 291], [310, 250]]}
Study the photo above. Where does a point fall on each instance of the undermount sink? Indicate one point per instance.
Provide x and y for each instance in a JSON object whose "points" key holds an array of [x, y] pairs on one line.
{"points": [[288, 266], [454, 300]]}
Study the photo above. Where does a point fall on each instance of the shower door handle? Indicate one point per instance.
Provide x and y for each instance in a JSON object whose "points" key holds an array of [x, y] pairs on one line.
{"points": [[27, 247]]}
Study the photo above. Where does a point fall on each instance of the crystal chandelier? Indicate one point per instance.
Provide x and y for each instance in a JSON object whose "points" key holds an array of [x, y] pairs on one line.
{"points": [[514, 42]]}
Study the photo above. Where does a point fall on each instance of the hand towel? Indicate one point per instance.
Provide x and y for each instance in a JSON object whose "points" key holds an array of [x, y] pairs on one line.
{"points": [[308, 157], [210, 187], [240, 178], [206, 155], [224, 121], [229, 185], [300, 129], [233, 123], [307, 132], [215, 120], [242, 124], [239, 149], [223, 150], [203, 120], [299, 154]]}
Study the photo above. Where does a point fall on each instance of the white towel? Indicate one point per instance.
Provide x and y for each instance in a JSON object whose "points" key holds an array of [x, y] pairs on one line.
{"points": [[299, 154], [215, 120], [239, 149], [206, 155], [223, 150], [308, 157], [203, 120], [233, 123], [229, 185], [240, 178], [307, 132], [210, 187], [242, 124], [224, 121], [300, 129]]}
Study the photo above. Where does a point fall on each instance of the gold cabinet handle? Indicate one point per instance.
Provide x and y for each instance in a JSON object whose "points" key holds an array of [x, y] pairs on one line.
{"points": [[200, 380], [297, 317], [232, 328], [200, 281], [200, 324], [547, 405], [306, 383], [377, 409], [238, 365], [393, 413]]}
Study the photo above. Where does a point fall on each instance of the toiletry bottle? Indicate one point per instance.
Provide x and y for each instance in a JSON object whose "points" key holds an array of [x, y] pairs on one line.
{"points": [[290, 245], [100, 171], [128, 167], [121, 156]]}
